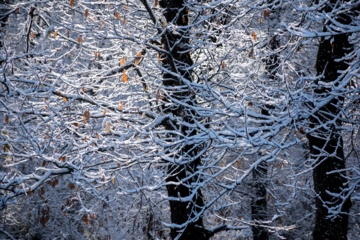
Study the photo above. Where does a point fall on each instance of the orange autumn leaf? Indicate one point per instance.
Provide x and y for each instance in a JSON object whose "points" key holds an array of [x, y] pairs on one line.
{"points": [[86, 116], [138, 58], [79, 39], [222, 65], [253, 35], [124, 77], [55, 33], [107, 127], [86, 13], [117, 15], [122, 61], [266, 13], [120, 106], [72, 2]]}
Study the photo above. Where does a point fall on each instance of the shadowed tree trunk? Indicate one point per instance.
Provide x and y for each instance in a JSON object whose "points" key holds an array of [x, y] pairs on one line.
{"points": [[186, 199], [325, 140], [4, 15], [258, 201], [272, 62]]}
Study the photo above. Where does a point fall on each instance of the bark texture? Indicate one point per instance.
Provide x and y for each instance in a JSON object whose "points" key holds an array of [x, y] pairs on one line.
{"points": [[258, 202], [325, 142], [186, 199]]}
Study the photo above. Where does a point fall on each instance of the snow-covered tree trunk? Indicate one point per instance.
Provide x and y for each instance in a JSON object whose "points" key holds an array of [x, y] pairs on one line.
{"points": [[325, 139], [185, 197]]}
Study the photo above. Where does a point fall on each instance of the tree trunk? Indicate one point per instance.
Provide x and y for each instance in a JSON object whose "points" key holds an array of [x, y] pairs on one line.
{"points": [[325, 140], [181, 180], [272, 62], [3, 21], [258, 202]]}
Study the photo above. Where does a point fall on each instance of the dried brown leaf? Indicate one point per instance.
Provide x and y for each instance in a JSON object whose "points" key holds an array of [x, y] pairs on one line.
{"points": [[266, 13], [71, 186], [55, 182], [108, 127], [253, 35], [80, 39], [117, 15], [222, 65], [86, 116], [85, 219], [86, 13], [7, 119]]}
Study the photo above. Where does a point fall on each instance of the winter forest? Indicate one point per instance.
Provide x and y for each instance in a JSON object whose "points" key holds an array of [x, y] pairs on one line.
{"points": [[180, 119]]}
